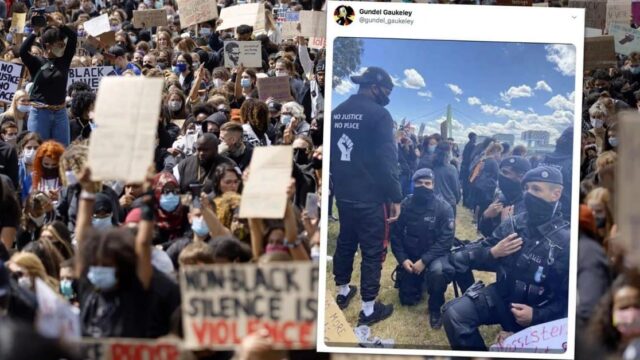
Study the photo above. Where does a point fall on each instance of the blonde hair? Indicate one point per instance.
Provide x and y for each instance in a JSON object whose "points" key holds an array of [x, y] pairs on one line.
{"points": [[34, 267], [606, 158], [598, 110], [493, 149], [13, 109]]}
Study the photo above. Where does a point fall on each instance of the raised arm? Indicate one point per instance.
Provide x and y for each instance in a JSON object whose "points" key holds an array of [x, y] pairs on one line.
{"points": [[85, 212], [211, 219], [143, 242], [296, 249]]}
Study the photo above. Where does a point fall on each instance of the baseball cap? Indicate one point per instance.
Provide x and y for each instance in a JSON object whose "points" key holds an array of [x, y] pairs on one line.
{"points": [[374, 76]]}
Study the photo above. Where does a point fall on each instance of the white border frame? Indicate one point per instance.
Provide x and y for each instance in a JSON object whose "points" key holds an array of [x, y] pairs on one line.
{"points": [[481, 23]]}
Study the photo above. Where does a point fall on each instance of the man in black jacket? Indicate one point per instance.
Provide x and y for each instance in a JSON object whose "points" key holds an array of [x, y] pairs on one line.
{"points": [[465, 168], [364, 170], [421, 240], [9, 162]]}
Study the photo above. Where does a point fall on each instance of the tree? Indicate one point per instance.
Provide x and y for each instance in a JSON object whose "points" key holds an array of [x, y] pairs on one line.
{"points": [[346, 58]]}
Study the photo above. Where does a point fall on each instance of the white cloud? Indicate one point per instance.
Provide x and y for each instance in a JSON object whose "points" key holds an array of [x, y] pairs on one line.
{"points": [[564, 56], [516, 92], [474, 101], [428, 94], [560, 102], [345, 87], [396, 81], [457, 99], [413, 79], [542, 85], [454, 88]]}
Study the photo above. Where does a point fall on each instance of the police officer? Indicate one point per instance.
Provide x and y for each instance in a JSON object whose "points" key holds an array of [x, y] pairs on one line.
{"points": [[421, 240], [532, 253], [562, 159], [365, 175]]}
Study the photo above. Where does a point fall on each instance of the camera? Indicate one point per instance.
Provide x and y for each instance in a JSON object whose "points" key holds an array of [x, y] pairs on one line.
{"points": [[38, 19]]}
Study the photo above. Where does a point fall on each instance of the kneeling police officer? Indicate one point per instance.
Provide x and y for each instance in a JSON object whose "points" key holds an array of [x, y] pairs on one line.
{"points": [[421, 240], [531, 251]]}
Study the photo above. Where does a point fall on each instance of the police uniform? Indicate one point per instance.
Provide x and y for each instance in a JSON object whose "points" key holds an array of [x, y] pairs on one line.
{"points": [[537, 275], [365, 177], [424, 232]]}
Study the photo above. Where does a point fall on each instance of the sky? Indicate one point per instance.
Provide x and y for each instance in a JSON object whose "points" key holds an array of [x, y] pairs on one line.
{"points": [[492, 87]]}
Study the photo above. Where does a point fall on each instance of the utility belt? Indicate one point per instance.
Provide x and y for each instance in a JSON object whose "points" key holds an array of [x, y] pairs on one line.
{"points": [[519, 291], [41, 106]]}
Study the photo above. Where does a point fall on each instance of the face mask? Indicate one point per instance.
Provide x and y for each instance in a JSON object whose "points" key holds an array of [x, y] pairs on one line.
{"points": [[175, 105], [24, 108], [57, 51], [181, 68], [539, 211], [285, 119], [9, 37], [196, 64], [316, 163], [37, 220], [28, 155], [205, 31], [510, 189], [381, 99], [422, 194], [71, 177], [431, 148], [627, 321], [218, 83], [613, 141], [281, 73], [49, 172], [134, 39], [149, 3], [597, 123], [199, 226], [102, 223], [66, 288], [601, 222], [300, 157], [169, 202], [115, 28], [245, 83], [25, 282], [102, 277], [635, 70]]}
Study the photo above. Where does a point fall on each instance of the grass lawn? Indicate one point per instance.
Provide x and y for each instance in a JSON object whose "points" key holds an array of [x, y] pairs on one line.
{"points": [[409, 325]]}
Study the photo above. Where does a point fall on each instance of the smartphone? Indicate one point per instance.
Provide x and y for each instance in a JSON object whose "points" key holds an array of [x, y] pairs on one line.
{"points": [[196, 190], [312, 205]]}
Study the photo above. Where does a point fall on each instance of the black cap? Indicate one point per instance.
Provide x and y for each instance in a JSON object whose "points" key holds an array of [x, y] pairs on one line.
{"points": [[320, 66], [274, 106], [517, 163], [102, 204], [244, 30], [218, 118], [117, 51], [424, 173], [546, 174], [374, 76]]}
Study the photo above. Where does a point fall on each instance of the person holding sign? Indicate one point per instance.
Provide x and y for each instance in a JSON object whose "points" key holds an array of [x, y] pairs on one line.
{"points": [[49, 76]]}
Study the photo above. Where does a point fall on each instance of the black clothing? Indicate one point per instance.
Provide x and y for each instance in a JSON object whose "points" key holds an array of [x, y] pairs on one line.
{"points": [[242, 160], [446, 184], [80, 129], [594, 276], [9, 163], [191, 171], [164, 300]]}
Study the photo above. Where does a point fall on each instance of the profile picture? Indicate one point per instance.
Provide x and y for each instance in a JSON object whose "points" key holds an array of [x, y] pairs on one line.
{"points": [[344, 15]]}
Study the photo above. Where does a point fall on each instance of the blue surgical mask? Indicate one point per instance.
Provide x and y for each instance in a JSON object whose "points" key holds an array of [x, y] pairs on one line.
{"points": [[613, 141], [245, 83], [199, 226], [635, 70], [102, 223], [24, 108], [432, 148], [285, 119], [66, 288], [180, 68], [205, 31], [102, 277], [169, 202]]}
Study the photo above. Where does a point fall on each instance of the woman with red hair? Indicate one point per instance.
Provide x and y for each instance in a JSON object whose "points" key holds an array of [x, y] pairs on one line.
{"points": [[46, 173], [171, 217]]}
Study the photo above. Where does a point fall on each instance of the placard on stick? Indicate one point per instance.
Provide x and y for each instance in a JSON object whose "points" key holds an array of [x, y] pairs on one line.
{"points": [[247, 53], [599, 52], [221, 304], [245, 14], [98, 25], [196, 11], [9, 80], [595, 12], [275, 87], [131, 349], [627, 191], [265, 193], [313, 23], [126, 117], [145, 19]]}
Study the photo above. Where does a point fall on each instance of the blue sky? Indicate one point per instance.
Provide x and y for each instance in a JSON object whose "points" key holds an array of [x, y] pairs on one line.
{"points": [[492, 87]]}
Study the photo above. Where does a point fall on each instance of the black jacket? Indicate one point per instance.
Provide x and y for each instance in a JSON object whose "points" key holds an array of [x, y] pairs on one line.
{"points": [[447, 184], [9, 163], [423, 231], [366, 169], [594, 276], [192, 172]]}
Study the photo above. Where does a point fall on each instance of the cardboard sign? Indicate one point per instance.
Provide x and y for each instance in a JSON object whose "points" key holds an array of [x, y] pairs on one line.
{"points": [[247, 53], [265, 193], [626, 190], [626, 39], [618, 11], [290, 29], [317, 43], [98, 25], [56, 318], [130, 349], [145, 19], [221, 304], [599, 52], [550, 337], [9, 80], [123, 142], [179, 123], [276, 87], [17, 22], [89, 75], [337, 330], [245, 14], [591, 32], [313, 23], [514, 2], [595, 12], [196, 11]]}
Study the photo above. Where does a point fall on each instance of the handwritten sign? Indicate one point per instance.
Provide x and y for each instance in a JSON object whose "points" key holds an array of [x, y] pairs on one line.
{"points": [[276, 87], [290, 29], [196, 11], [337, 330], [89, 75], [599, 52], [247, 53], [550, 337], [317, 43], [17, 22], [313, 23], [628, 175], [56, 319], [221, 304], [130, 349], [145, 19], [618, 11], [245, 14], [9, 80], [123, 142], [626, 39], [595, 12], [98, 25]]}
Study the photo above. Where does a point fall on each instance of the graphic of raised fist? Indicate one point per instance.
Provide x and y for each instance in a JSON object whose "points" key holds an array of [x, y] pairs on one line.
{"points": [[345, 145]]}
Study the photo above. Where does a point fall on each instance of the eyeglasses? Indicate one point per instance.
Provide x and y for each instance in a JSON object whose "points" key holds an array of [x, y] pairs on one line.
{"points": [[170, 191]]}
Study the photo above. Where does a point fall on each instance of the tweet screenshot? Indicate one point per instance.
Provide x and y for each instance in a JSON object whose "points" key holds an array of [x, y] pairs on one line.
{"points": [[454, 152]]}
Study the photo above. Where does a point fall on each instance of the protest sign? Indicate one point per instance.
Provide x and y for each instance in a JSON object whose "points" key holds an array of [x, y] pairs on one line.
{"points": [[275, 87], [126, 116], [337, 330], [17, 22], [247, 53], [626, 39], [591, 32], [196, 11], [223, 303], [145, 19], [595, 12], [89, 75], [290, 29], [56, 318], [599, 52], [130, 349], [9, 80], [628, 176], [265, 193], [618, 11], [317, 43], [313, 23], [245, 14], [97, 25], [550, 337]]}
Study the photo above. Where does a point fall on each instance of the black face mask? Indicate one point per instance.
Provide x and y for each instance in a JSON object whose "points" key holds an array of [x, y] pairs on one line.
{"points": [[601, 222], [316, 136], [422, 194], [539, 211], [49, 173], [316, 163], [300, 156], [510, 189], [380, 98]]}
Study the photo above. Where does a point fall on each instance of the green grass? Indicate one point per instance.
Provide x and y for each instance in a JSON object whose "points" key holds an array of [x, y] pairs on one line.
{"points": [[409, 325]]}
